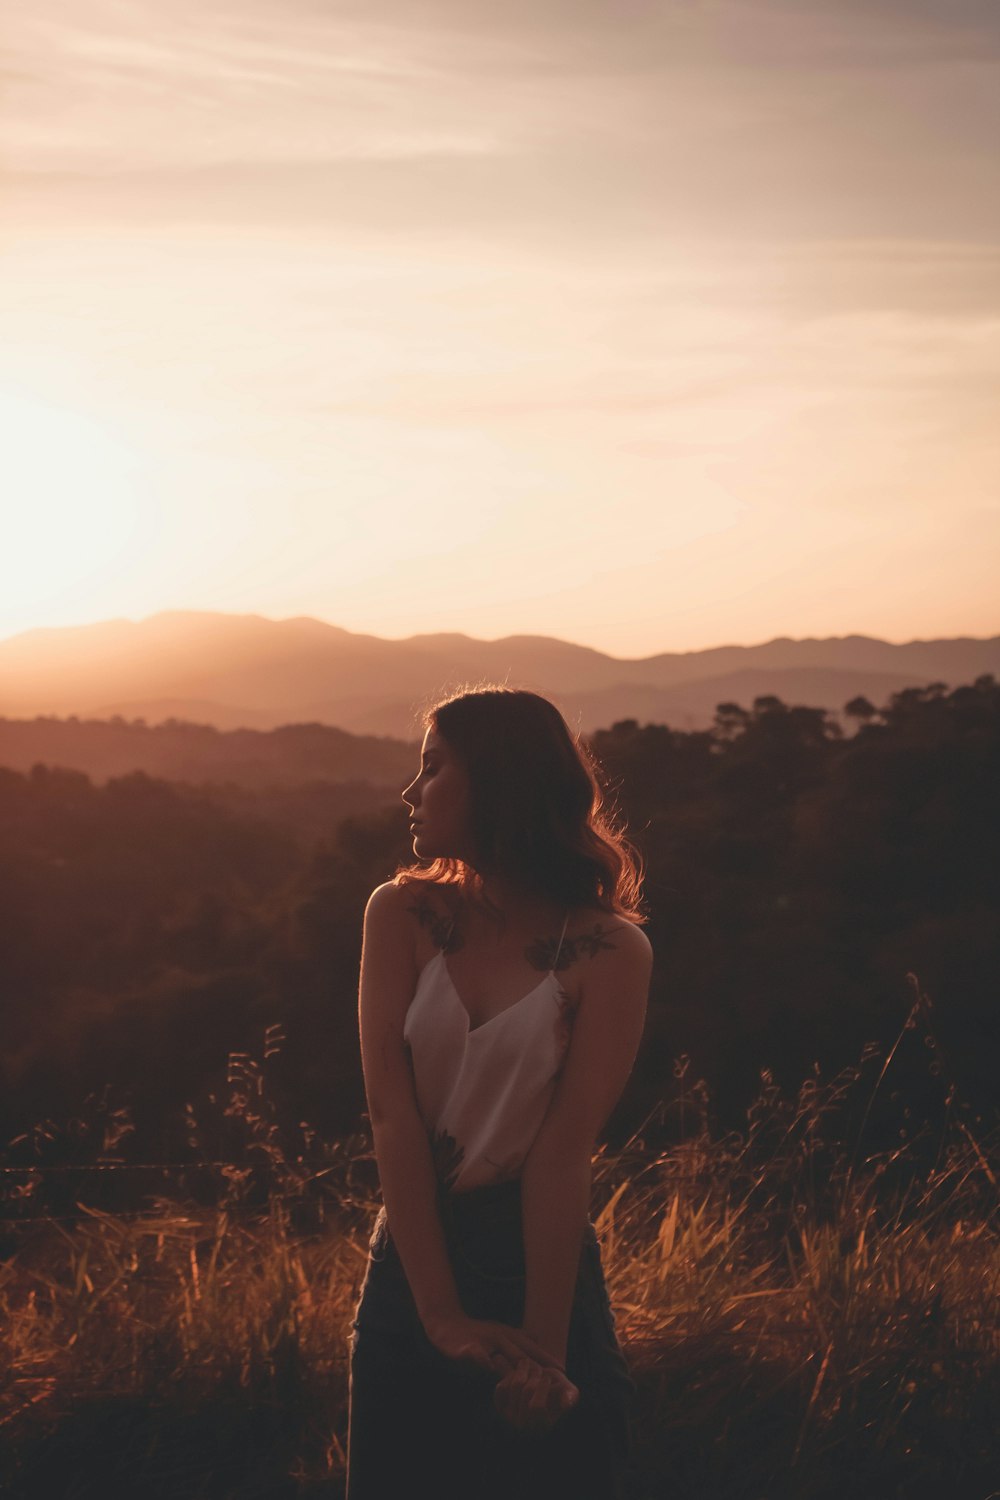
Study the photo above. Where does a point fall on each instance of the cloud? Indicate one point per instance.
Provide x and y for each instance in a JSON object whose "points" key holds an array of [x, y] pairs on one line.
{"points": [[762, 92], [950, 280], [641, 36], [98, 86]]}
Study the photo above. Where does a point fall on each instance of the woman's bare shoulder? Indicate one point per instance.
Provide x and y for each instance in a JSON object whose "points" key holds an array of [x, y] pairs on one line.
{"points": [[425, 903], [594, 931], [385, 902]]}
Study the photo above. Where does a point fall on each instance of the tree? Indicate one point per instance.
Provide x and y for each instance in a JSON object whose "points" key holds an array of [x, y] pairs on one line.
{"points": [[860, 708]]}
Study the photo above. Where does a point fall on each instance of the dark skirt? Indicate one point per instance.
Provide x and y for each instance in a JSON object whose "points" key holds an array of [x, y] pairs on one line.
{"points": [[421, 1423]]}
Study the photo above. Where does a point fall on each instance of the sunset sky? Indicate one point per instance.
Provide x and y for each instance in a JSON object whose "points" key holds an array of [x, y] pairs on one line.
{"points": [[650, 324]]}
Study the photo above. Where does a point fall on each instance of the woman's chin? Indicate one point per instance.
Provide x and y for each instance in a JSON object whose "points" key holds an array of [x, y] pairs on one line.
{"points": [[424, 848]]}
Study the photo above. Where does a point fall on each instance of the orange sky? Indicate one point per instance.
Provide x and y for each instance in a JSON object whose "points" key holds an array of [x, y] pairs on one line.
{"points": [[649, 325]]}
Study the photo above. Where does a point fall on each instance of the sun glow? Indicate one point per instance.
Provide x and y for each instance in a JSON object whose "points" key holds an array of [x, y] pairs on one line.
{"points": [[73, 508]]}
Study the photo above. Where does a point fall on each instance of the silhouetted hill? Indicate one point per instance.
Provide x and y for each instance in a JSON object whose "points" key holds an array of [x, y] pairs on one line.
{"points": [[692, 705], [236, 671], [294, 755]]}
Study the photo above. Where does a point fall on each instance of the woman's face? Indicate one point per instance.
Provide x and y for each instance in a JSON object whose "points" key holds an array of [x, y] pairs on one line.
{"points": [[439, 799]]}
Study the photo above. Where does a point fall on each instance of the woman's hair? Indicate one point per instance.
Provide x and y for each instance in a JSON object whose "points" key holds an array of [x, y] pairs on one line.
{"points": [[538, 813]]}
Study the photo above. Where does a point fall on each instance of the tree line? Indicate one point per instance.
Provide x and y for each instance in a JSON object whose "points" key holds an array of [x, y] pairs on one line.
{"points": [[795, 878]]}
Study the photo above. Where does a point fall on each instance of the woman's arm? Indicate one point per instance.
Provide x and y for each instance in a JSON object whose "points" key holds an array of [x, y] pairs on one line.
{"points": [[556, 1177], [402, 1148]]}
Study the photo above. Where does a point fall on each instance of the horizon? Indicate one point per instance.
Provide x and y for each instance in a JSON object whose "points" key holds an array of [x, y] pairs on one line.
{"points": [[853, 635]]}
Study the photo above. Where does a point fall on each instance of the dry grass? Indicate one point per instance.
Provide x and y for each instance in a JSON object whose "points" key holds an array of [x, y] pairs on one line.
{"points": [[793, 1338], [175, 1313], [801, 1317]]}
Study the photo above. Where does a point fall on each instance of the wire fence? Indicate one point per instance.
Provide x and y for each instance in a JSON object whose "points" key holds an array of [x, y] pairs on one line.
{"points": [[21, 1192], [124, 1166]]}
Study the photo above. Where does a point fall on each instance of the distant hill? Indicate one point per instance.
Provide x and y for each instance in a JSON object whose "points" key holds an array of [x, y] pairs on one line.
{"points": [[295, 755], [245, 671]]}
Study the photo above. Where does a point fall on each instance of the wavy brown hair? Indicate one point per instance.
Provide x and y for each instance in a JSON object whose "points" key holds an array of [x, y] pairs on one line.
{"points": [[539, 814]]}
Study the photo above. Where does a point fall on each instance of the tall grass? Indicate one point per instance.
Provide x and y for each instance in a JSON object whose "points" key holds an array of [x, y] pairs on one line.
{"points": [[804, 1317], [802, 1314]]}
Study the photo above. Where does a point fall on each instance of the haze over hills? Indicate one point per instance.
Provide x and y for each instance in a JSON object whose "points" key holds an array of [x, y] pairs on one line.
{"points": [[246, 671]]}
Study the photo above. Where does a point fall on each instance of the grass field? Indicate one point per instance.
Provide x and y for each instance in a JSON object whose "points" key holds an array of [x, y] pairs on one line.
{"points": [[804, 1318]]}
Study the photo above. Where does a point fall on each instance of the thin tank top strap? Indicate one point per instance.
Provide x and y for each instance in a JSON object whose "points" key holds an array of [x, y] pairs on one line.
{"points": [[562, 936], [447, 936]]}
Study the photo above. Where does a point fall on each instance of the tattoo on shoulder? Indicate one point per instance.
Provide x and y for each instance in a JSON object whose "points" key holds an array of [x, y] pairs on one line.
{"points": [[443, 929], [541, 954]]}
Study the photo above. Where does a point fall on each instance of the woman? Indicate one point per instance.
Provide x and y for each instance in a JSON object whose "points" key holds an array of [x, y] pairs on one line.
{"points": [[503, 994]]}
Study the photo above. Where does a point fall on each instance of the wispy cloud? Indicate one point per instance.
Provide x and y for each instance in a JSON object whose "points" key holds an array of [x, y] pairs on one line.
{"points": [[99, 86], [727, 109]]}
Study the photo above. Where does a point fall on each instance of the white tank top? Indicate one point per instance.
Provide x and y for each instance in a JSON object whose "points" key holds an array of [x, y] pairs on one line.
{"points": [[483, 1090]]}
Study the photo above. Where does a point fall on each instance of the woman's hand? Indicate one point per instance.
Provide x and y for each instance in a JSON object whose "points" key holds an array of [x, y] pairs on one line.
{"points": [[492, 1346], [532, 1396]]}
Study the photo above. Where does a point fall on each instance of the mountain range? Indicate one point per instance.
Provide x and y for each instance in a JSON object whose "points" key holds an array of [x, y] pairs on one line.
{"points": [[246, 671]]}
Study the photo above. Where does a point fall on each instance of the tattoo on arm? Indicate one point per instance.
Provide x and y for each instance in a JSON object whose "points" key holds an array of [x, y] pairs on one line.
{"points": [[541, 954], [442, 928]]}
